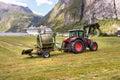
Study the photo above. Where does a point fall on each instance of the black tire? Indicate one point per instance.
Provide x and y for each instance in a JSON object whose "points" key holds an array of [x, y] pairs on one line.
{"points": [[93, 46], [46, 54], [64, 47], [78, 46]]}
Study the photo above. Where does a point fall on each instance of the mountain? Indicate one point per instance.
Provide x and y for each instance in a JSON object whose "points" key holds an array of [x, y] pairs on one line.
{"points": [[14, 18], [67, 12]]}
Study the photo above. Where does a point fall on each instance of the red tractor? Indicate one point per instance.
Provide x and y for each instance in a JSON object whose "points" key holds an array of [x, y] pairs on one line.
{"points": [[78, 40]]}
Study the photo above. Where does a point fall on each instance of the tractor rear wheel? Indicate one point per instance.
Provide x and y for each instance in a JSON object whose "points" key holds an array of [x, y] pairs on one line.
{"points": [[78, 46], [46, 54], [93, 46]]}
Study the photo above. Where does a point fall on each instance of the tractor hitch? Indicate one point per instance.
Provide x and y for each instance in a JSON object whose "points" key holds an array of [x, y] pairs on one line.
{"points": [[27, 52]]}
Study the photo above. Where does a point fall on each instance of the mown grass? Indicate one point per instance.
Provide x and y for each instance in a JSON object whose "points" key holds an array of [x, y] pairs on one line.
{"points": [[103, 64]]}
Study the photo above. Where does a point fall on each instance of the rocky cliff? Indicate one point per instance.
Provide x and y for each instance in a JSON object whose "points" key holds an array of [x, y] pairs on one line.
{"points": [[14, 18], [103, 9], [70, 11]]}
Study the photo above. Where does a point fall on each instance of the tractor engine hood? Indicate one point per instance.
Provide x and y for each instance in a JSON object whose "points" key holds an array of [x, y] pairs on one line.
{"points": [[70, 39]]}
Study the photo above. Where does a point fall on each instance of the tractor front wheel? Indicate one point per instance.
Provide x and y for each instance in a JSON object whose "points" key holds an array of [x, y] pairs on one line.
{"points": [[93, 46], [78, 46], [46, 54]]}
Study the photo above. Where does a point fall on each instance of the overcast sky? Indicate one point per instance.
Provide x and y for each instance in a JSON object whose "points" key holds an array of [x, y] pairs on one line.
{"points": [[41, 7]]}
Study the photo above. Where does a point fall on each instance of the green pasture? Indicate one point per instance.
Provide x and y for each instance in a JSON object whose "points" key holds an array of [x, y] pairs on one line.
{"points": [[103, 64]]}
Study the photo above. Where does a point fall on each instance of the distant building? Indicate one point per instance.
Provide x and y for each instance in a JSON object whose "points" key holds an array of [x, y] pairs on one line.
{"points": [[33, 30], [62, 34]]}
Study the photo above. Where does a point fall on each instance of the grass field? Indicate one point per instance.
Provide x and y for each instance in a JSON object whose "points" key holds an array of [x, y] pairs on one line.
{"points": [[103, 64]]}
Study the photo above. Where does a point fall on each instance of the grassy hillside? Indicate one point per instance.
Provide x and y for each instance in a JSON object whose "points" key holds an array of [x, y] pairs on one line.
{"points": [[18, 21], [105, 25], [14, 18], [103, 64], [108, 25]]}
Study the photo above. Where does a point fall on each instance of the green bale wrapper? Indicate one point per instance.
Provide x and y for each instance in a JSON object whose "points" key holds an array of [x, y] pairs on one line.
{"points": [[45, 42], [46, 39]]}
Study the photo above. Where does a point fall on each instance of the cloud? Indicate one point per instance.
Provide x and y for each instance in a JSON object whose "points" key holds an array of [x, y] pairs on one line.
{"points": [[39, 2], [37, 13], [16, 2]]}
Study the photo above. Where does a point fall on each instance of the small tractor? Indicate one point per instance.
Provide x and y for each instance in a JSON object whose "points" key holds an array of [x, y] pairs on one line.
{"points": [[45, 43], [79, 40]]}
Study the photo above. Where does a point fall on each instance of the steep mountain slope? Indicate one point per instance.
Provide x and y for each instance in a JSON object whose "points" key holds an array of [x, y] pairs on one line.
{"points": [[85, 11], [104, 9], [16, 18]]}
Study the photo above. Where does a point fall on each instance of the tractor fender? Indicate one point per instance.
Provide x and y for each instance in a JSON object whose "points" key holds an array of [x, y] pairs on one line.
{"points": [[66, 40], [76, 38], [70, 39]]}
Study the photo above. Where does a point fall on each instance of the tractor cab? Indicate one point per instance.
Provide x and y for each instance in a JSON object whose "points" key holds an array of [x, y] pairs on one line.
{"points": [[76, 33]]}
